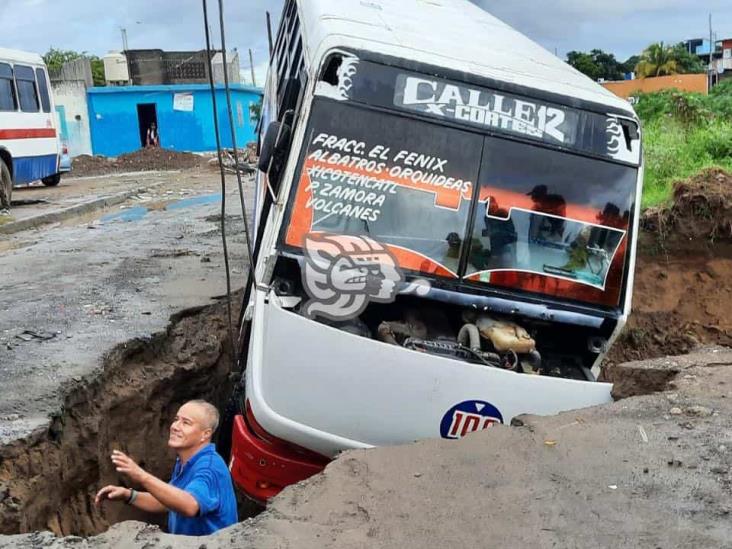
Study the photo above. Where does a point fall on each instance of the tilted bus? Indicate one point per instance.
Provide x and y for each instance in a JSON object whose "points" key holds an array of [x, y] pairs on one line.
{"points": [[445, 234], [29, 142]]}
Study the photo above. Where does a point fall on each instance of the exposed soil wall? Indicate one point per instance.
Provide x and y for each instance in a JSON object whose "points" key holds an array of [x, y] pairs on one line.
{"points": [[682, 296], [48, 481]]}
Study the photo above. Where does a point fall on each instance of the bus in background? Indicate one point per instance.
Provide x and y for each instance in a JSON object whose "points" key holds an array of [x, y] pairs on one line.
{"points": [[445, 235], [29, 142]]}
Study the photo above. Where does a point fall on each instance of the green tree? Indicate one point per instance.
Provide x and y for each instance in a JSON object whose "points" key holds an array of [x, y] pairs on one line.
{"points": [[657, 59], [686, 62], [597, 64], [55, 59]]}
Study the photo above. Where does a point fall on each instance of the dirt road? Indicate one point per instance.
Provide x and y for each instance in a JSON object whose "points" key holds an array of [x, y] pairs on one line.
{"points": [[71, 293]]}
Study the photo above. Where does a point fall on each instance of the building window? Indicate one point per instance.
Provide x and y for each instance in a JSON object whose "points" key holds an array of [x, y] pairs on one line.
{"points": [[43, 89], [8, 101], [25, 81], [728, 53]]}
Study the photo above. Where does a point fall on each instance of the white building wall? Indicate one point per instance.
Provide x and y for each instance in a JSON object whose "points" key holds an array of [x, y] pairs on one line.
{"points": [[71, 95]]}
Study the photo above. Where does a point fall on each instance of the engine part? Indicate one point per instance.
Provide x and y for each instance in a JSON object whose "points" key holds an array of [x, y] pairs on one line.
{"points": [[393, 331], [505, 335], [449, 349], [470, 337], [531, 362]]}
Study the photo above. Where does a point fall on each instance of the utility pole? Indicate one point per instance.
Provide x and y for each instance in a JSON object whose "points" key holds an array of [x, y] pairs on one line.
{"points": [[251, 66], [711, 54], [124, 39]]}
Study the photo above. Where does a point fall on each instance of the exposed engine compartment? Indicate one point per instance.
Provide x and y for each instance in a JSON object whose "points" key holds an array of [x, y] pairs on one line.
{"points": [[512, 342]]}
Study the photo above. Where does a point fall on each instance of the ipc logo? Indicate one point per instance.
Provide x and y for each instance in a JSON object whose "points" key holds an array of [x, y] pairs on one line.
{"points": [[468, 417]]}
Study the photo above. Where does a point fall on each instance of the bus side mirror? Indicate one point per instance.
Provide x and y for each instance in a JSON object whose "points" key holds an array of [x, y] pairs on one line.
{"points": [[275, 141]]}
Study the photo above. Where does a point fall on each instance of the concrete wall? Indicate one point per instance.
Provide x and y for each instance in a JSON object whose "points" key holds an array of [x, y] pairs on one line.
{"points": [[73, 114], [683, 82], [115, 128]]}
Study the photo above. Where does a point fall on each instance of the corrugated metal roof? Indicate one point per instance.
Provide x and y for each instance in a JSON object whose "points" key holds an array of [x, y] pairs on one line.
{"points": [[454, 34]]}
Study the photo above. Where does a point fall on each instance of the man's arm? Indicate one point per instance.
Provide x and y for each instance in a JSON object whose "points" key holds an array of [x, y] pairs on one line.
{"points": [[144, 501], [169, 496]]}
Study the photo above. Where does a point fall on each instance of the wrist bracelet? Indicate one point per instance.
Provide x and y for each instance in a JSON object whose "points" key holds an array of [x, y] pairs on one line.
{"points": [[133, 497]]}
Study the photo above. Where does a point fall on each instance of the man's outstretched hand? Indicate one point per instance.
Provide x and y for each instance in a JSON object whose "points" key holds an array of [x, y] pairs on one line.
{"points": [[112, 493], [127, 466]]}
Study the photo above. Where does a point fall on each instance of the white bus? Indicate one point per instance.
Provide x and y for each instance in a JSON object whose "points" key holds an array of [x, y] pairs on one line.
{"points": [[29, 144], [446, 227]]}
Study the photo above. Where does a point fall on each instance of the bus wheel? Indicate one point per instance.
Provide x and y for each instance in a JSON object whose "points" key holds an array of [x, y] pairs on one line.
{"points": [[52, 180], [6, 186]]}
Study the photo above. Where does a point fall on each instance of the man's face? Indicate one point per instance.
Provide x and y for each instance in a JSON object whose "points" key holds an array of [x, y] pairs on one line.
{"points": [[189, 428]]}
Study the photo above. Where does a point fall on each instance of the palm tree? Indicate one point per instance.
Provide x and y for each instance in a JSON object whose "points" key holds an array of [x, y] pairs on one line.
{"points": [[657, 60]]}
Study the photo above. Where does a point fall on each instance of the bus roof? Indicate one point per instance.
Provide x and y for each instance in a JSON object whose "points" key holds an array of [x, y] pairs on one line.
{"points": [[20, 56], [454, 34]]}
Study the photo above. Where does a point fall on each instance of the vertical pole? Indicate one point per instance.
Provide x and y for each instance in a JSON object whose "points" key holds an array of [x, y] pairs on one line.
{"points": [[269, 35], [711, 55], [251, 66], [124, 39]]}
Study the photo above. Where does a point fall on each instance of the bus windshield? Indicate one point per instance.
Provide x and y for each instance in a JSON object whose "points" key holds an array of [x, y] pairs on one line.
{"points": [[466, 207]]}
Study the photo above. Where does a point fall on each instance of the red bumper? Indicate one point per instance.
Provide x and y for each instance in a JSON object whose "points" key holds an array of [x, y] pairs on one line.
{"points": [[262, 465]]}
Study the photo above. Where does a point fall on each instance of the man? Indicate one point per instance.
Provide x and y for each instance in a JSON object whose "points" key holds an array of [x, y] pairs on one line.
{"points": [[200, 497], [152, 139]]}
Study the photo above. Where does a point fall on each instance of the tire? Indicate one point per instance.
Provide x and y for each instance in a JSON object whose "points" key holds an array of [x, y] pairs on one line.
{"points": [[6, 186], [52, 180]]}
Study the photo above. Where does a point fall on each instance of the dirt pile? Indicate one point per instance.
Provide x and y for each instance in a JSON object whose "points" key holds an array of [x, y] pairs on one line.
{"points": [[149, 159], [701, 209], [128, 406], [682, 295]]}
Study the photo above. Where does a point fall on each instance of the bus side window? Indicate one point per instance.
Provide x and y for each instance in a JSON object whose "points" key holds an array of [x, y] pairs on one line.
{"points": [[288, 60], [8, 101], [25, 81], [43, 89]]}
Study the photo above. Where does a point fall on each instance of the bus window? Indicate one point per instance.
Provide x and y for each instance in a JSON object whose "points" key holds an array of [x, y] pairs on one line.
{"points": [[25, 80], [7, 90], [43, 89]]}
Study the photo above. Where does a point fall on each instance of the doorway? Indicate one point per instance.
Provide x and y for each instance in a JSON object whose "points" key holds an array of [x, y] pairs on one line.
{"points": [[146, 115]]}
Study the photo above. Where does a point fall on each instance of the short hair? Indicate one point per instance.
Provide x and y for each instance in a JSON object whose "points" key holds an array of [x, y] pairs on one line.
{"points": [[210, 411]]}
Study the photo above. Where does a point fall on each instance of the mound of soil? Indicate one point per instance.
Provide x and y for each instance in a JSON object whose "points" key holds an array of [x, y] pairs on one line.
{"points": [[681, 301], [701, 209], [152, 159], [683, 280], [85, 165]]}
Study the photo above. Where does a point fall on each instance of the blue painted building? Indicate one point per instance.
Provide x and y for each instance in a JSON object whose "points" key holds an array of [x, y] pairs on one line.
{"points": [[119, 116]]}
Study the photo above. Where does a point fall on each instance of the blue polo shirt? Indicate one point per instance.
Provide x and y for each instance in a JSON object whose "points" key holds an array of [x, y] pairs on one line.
{"points": [[206, 477]]}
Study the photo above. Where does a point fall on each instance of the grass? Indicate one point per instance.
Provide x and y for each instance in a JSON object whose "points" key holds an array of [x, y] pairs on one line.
{"points": [[674, 152]]}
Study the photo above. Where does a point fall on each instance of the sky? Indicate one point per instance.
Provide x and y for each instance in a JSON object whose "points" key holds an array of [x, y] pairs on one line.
{"points": [[622, 27]]}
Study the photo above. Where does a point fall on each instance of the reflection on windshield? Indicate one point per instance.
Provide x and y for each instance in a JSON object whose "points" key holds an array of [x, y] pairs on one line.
{"points": [[404, 183], [544, 244]]}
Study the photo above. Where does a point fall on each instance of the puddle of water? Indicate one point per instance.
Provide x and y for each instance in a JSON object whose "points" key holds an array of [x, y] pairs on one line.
{"points": [[194, 201], [138, 212], [130, 214]]}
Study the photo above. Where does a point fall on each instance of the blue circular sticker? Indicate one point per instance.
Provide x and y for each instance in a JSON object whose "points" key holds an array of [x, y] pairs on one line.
{"points": [[468, 417]]}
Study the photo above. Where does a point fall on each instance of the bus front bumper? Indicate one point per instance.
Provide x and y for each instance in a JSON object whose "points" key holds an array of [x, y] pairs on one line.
{"points": [[261, 467]]}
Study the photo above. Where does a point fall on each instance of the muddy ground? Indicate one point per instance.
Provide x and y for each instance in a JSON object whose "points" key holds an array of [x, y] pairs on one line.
{"points": [[142, 160], [651, 471], [96, 329]]}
